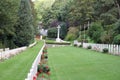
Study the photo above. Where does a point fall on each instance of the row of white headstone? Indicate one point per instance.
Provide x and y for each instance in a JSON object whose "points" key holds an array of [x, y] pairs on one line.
{"points": [[112, 48], [7, 53], [33, 70]]}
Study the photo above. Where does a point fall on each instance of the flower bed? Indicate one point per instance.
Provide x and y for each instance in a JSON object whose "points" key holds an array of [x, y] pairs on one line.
{"points": [[43, 70]]}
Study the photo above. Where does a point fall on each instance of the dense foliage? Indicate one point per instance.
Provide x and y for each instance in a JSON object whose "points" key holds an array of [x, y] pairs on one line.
{"points": [[96, 20], [16, 23], [52, 33], [24, 28], [72, 34], [83, 14], [95, 31]]}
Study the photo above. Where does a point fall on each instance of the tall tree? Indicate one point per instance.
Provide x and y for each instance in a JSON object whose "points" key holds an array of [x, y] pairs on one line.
{"points": [[34, 17], [80, 12], [24, 28], [8, 18]]}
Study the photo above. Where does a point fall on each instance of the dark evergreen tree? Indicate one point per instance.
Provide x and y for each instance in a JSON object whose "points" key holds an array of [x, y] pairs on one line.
{"points": [[24, 27], [8, 18]]}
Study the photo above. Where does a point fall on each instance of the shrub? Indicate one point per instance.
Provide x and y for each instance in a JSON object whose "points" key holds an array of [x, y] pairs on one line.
{"points": [[117, 27], [70, 37], [72, 34], [105, 50], [79, 39], [89, 47], [1, 44], [59, 43], [45, 50], [40, 68], [97, 29], [44, 37], [75, 45], [117, 39], [45, 56], [46, 69], [43, 68], [85, 40], [80, 46]]}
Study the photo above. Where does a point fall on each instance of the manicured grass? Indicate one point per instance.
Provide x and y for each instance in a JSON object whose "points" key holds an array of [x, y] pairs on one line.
{"points": [[17, 67], [71, 63]]}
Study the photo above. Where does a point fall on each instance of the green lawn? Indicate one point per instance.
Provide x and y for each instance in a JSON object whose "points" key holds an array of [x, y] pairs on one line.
{"points": [[17, 67], [70, 63]]}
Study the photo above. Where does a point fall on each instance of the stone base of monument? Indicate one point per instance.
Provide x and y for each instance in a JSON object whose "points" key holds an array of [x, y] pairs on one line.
{"points": [[58, 40]]}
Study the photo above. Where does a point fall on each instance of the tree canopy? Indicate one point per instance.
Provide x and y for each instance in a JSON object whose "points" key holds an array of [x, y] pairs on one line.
{"points": [[98, 20], [76, 13], [17, 21]]}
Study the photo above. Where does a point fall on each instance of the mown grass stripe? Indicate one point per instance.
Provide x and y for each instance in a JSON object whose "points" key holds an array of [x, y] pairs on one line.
{"points": [[71, 63]]}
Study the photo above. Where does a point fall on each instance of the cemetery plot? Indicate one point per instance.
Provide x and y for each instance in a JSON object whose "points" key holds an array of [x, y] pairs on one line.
{"points": [[73, 63]]}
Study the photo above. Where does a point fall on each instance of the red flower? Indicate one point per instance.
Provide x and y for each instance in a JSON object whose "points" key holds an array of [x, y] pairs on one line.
{"points": [[34, 78], [37, 74]]}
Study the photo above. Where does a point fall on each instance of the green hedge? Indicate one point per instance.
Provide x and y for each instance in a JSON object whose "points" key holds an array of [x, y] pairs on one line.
{"points": [[57, 43]]}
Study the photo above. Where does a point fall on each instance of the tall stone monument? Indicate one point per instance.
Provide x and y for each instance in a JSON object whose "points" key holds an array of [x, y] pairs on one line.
{"points": [[58, 34]]}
